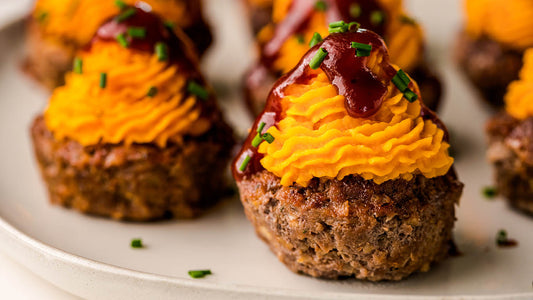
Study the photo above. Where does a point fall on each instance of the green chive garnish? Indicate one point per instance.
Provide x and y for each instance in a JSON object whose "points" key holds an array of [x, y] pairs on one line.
{"points": [[410, 95], [136, 243], [170, 25], [197, 90], [503, 240], [130, 12], [401, 80], [137, 32], [341, 27], [199, 273], [407, 20], [355, 10], [490, 192], [362, 49], [317, 60], [377, 17], [120, 4], [121, 39], [152, 91], [353, 26], [78, 65], [337, 24], [268, 137], [300, 38], [321, 6], [257, 140], [103, 80], [261, 127], [161, 51], [42, 16], [315, 39], [245, 163]]}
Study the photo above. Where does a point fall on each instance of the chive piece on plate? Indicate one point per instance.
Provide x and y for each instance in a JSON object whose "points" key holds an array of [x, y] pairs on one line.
{"points": [[317, 60], [490, 192], [137, 243], [199, 273]]}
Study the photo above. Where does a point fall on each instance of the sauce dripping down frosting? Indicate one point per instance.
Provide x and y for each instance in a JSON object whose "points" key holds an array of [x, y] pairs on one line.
{"points": [[301, 11], [364, 89]]}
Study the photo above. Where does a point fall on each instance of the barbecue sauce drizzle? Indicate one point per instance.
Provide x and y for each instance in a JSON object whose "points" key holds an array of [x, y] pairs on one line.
{"points": [[363, 90]]}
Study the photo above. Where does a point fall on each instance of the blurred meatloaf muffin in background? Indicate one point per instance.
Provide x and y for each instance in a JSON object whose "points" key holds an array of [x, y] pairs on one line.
{"points": [[259, 13], [346, 172], [57, 29], [296, 25], [510, 136], [135, 133], [489, 49]]}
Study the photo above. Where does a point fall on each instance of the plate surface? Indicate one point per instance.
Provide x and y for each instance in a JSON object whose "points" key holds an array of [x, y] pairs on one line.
{"points": [[91, 257]]}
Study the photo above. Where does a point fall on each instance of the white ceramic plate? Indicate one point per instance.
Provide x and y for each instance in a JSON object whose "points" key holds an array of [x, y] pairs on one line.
{"points": [[91, 257]]}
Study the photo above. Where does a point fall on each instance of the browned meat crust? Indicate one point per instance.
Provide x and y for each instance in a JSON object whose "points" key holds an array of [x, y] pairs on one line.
{"points": [[138, 183], [511, 153], [47, 60], [354, 227], [489, 65], [259, 80]]}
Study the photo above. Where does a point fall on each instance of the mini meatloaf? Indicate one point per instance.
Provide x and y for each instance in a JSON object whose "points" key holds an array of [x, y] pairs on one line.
{"points": [[56, 32], [346, 172], [299, 24], [135, 133], [489, 49]]}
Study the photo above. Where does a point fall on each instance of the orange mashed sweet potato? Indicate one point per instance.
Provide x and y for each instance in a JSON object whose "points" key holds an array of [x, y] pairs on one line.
{"points": [[124, 111], [519, 97]]}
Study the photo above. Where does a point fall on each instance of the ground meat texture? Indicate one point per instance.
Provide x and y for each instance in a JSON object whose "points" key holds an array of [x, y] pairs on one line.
{"points": [[489, 65], [511, 153], [259, 81], [354, 227], [139, 182]]}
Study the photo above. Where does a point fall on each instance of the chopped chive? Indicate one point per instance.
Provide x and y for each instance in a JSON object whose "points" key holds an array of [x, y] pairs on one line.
{"points": [[120, 4], [121, 39], [103, 80], [257, 140], [152, 91], [170, 25], [245, 163], [490, 192], [377, 17], [130, 12], [268, 137], [410, 95], [261, 127], [337, 24], [42, 16], [300, 38], [136, 243], [362, 53], [199, 273], [501, 237], [78, 65], [401, 80], [317, 60], [353, 26], [321, 6], [315, 39], [161, 51], [355, 10], [197, 90], [407, 20], [137, 32], [361, 46]]}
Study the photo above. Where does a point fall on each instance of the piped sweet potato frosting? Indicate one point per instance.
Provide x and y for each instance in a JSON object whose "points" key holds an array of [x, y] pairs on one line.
{"points": [[78, 20], [519, 97], [295, 23], [508, 22], [345, 110], [135, 83]]}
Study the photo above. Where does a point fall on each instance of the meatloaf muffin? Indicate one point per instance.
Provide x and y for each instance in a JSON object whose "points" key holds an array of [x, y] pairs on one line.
{"points": [[346, 172], [489, 49], [134, 134], [510, 136], [296, 25], [58, 29]]}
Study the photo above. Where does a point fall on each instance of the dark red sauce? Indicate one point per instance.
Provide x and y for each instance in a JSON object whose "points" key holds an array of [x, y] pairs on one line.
{"points": [[301, 11]]}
